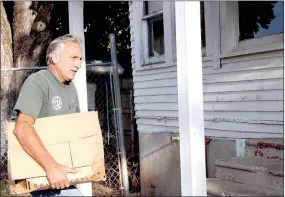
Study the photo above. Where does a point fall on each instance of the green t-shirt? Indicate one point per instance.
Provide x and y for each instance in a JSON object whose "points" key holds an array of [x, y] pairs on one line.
{"points": [[42, 95]]}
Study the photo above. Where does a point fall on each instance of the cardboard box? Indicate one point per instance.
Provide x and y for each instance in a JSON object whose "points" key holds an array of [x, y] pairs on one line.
{"points": [[74, 140]]}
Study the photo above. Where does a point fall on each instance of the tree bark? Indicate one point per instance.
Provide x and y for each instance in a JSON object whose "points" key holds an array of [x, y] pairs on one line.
{"points": [[22, 25], [6, 62], [31, 32]]}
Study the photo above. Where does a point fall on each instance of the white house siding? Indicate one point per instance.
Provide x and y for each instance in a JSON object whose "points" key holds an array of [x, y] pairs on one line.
{"points": [[242, 99]]}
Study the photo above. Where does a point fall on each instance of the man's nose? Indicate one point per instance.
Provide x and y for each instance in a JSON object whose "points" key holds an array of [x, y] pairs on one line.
{"points": [[78, 64]]}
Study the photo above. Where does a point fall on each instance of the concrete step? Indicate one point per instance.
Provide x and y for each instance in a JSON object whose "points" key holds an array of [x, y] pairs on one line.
{"points": [[253, 171], [218, 187], [267, 148]]}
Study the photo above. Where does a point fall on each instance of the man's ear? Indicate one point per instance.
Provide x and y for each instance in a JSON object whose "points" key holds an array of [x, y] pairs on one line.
{"points": [[54, 58]]}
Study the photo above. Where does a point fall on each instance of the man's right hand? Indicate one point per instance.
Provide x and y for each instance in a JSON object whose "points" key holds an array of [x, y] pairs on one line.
{"points": [[57, 176]]}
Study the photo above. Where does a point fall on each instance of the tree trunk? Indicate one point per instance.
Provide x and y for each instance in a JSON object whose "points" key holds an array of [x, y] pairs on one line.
{"points": [[6, 62]]}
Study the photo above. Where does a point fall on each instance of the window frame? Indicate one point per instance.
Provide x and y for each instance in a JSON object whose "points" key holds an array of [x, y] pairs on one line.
{"points": [[231, 45], [142, 59], [145, 28]]}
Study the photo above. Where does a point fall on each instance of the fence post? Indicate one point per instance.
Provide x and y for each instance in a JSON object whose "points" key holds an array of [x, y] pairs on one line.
{"points": [[118, 108]]}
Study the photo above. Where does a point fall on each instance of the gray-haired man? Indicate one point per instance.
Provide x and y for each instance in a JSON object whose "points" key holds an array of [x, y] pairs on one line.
{"points": [[46, 93]]}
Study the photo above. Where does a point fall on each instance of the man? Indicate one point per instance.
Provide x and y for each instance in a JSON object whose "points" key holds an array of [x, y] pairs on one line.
{"points": [[46, 93]]}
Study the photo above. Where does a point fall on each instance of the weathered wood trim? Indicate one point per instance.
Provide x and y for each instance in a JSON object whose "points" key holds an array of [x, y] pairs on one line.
{"points": [[216, 33], [229, 134], [143, 61], [137, 14]]}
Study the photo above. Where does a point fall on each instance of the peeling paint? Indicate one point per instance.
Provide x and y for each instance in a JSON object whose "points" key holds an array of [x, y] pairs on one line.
{"points": [[270, 145], [258, 153], [269, 122], [275, 157]]}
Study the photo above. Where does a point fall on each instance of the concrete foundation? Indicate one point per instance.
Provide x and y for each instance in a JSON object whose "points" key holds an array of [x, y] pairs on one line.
{"points": [[159, 165], [160, 161]]}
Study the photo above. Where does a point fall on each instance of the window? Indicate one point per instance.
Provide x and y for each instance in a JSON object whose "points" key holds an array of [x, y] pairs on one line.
{"points": [[251, 27], [154, 15], [259, 19], [203, 33], [154, 30], [155, 33]]}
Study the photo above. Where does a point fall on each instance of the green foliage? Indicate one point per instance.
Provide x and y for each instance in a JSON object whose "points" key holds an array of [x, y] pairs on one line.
{"points": [[101, 18]]}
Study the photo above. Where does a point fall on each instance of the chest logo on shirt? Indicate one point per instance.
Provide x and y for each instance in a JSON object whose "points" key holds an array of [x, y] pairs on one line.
{"points": [[56, 102]]}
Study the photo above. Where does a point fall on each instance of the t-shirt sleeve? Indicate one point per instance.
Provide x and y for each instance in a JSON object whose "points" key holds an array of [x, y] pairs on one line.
{"points": [[30, 99]]}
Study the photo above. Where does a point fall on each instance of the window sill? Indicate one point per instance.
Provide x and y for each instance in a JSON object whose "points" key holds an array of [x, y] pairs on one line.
{"points": [[263, 41], [254, 50], [207, 58], [165, 65], [155, 65]]}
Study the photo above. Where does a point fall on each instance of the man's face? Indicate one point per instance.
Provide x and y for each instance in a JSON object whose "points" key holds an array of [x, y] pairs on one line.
{"points": [[70, 57]]}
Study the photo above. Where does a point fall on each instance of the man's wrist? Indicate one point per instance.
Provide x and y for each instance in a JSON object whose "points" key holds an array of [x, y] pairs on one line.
{"points": [[50, 165]]}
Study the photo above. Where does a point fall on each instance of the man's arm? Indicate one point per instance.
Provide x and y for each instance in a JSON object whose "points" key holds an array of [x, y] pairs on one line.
{"points": [[32, 144]]}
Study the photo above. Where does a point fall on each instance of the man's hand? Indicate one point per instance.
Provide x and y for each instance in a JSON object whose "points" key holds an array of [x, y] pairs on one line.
{"points": [[57, 176]]}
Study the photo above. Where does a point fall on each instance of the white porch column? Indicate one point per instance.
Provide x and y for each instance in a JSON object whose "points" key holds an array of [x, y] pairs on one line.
{"points": [[190, 98], [75, 14]]}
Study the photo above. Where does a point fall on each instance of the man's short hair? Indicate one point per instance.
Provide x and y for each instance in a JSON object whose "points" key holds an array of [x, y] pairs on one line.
{"points": [[57, 43]]}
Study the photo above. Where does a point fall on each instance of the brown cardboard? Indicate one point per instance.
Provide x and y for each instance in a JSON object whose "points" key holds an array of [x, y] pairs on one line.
{"points": [[74, 140]]}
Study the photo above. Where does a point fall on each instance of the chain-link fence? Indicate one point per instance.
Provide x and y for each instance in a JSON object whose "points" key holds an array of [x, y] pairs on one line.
{"points": [[100, 99]]}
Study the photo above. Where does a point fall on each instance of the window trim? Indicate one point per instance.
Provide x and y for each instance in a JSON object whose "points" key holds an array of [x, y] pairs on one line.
{"points": [[142, 59], [213, 33], [231, 45], [146, 50], [152, 15]]}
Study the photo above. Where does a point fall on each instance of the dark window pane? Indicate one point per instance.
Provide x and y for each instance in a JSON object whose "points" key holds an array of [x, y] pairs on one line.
{"points": [[202, 13], [152, 6], [156, 36], [259, 19]]}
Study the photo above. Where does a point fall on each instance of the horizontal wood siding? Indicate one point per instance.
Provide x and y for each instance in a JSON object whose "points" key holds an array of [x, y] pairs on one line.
{"points": [[242, 99]]}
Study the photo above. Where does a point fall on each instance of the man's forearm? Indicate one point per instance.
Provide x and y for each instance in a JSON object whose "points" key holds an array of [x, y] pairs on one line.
{"points": [[32, 144]]}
